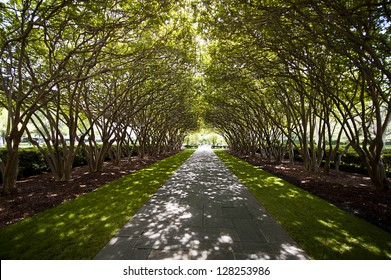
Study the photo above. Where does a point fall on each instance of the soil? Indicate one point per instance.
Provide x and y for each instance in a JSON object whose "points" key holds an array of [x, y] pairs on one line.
{"points": [[39, 193], [349, 191]]}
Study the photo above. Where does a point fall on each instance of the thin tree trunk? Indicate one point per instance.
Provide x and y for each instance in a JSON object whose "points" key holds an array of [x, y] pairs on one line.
{"points": [[10, 171], [378, 176]]}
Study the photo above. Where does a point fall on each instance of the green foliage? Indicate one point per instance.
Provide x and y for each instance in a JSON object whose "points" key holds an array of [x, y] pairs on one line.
{"points": [[350, 161], [351, 157], [321, 229], [96, 69], [300, 74], [80, 158], [80, 228], [204, 136], [387, 160], [31, 162], [125, 151]]}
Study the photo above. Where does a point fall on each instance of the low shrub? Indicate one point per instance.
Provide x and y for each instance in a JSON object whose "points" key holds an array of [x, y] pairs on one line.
{"points": [[350, 161], [351, 157], [80, 158], [191, 146], [387, 159], [32, 162]]}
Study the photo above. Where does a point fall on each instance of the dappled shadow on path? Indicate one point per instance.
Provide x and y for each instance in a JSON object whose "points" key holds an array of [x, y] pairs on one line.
{"points": [[202, 212]]}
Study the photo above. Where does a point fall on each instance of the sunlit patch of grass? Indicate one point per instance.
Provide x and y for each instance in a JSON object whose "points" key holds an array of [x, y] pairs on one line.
{"points": [[79, 228], [321, 229]]}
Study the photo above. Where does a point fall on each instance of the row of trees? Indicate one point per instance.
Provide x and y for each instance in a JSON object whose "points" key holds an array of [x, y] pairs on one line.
{"points": [[279, 74], [88, 74], [301, 73]]}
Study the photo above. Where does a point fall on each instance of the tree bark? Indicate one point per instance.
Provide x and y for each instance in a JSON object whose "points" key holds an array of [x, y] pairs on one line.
{"points": [[378, 176], [10, 172]]}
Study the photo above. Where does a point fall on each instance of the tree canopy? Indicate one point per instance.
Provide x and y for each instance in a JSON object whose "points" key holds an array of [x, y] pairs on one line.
{"points": [[270, 76], [301, 73]]}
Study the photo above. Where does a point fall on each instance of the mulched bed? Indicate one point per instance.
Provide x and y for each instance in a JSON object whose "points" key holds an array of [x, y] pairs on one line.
{"points": [[348, 191], [39, 193]]}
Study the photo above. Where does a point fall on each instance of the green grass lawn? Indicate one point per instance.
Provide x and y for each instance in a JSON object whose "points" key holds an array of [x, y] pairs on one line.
{"points": [[321, 229], [80, 228]]}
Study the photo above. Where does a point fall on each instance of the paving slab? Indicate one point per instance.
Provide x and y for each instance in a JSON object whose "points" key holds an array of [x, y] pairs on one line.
{"points": [[202, 212]]}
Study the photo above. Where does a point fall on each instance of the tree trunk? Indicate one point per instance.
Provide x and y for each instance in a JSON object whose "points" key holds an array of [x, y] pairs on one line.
{"points": [[142, 149], [291, 155], [96, 154], [10, 172], [378, 176], [339, 157], [68, 164]]}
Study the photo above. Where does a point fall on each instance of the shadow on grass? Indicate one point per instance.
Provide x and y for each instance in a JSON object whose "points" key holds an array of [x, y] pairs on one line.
{"points": [[321, 229], [80, 228]]}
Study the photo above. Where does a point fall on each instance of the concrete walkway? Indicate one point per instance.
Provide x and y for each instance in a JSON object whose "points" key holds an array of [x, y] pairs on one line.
{"points": [[202, 212]]}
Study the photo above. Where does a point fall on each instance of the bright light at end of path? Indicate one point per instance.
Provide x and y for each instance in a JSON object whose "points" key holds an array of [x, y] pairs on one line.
{"points": [[205, 147]]}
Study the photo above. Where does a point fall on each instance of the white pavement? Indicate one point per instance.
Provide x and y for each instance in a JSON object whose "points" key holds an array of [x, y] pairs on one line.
{"points": [[202, 212]]}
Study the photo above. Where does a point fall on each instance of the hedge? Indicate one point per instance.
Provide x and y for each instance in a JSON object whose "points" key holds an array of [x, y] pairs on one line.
{"points": [[32, 162], [351, 162]]}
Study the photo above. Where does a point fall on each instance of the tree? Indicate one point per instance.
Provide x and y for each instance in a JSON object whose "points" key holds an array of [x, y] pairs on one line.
{"points": [[326, 62], [52, 55], [25, 82], [362, 41]]}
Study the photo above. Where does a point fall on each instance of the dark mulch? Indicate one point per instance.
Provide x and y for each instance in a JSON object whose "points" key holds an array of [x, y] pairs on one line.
{"points": [[348, 191], [39, 193]]}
